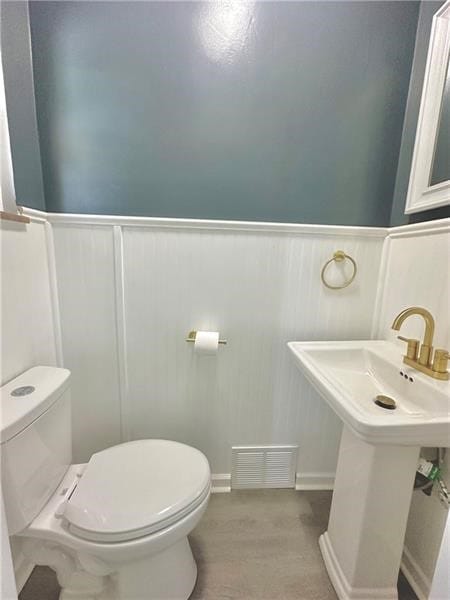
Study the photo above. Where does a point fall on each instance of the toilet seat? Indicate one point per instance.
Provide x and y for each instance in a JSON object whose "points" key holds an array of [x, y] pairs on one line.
{"points": [[136, 488]]}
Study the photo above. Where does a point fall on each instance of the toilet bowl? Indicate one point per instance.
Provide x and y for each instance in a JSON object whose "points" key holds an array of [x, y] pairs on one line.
{"points": [[113, 529]]}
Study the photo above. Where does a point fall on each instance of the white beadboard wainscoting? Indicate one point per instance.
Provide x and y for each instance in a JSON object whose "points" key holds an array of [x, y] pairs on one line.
{"points": [[131, 289], [27, 316], [416, 272]]}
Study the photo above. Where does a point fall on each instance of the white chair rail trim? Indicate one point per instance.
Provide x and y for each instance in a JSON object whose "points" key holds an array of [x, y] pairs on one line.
{"points": [[160, 223], [423, 228]]}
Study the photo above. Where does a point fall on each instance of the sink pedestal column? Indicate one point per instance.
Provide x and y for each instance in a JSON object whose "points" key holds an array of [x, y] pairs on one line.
{"points": [[363, 545]]}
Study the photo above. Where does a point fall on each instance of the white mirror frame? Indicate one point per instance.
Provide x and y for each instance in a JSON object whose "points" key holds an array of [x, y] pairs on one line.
{"points": [[421, 196]]}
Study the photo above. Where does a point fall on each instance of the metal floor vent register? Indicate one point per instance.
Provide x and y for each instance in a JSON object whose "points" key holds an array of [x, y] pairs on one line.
{"points": [[263, 467]]}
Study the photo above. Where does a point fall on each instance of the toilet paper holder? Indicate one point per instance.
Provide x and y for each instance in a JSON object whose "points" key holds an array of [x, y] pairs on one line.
{"points": [[193, 333]]}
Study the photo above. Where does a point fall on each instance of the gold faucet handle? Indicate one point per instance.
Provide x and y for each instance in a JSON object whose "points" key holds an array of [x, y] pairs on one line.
{"points": [[413, 347], [440, 360]]}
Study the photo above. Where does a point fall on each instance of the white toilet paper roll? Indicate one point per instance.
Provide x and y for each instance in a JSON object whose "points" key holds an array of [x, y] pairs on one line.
{"points": [[206, 342]]}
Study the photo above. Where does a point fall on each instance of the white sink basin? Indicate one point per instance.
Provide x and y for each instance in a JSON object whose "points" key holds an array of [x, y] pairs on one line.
{"points": [[349, 375]]}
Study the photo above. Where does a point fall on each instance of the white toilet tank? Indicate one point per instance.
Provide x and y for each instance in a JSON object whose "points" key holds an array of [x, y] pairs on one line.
{"points": [[35, 441]]}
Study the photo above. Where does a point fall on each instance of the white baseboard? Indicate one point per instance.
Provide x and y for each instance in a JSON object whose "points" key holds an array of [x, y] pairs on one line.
{"points": [[22, 570], [314, 481], [220, 482], [415, 576]]}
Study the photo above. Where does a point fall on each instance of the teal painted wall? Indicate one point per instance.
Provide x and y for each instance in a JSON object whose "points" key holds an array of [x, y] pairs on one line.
{"points": [[398, 217], [286, 111], [18, 73]]}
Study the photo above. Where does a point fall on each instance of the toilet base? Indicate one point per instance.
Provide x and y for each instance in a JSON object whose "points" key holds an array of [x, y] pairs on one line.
{"points": [[168, 575]]}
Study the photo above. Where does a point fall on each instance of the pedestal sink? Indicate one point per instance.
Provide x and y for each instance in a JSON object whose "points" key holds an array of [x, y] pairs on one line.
{"points": [[378, 456]]}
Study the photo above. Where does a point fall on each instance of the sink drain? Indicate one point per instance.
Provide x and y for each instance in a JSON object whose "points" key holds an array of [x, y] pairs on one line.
{"points": [[385, 402]]}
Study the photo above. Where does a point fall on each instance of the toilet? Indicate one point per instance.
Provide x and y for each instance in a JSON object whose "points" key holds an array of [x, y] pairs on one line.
{"points": [[113, 529]]}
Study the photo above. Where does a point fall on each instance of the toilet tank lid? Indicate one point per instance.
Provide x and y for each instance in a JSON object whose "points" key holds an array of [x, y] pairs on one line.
{"points": [[19, 411]]}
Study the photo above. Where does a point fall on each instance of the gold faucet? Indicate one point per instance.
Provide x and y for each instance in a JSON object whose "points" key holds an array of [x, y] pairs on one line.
{"points": [[420, 356]]}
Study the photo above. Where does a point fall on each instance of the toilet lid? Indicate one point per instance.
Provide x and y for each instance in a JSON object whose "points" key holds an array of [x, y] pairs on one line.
{"points": [[137, 488]]}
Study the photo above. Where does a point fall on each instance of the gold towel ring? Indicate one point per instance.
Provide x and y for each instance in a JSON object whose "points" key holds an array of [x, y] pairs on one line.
{"points": [[339, 256]]}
